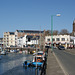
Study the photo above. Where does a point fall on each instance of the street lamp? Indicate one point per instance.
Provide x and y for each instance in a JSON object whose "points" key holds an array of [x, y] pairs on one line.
{"points": [[52, 31]]}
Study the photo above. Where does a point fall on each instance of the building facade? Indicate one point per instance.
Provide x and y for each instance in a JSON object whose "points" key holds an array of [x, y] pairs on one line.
{"points": [[1, 40], [27, 40], [73, 32], [9, 39], [22, 33], [21, 38], [58, 40]]}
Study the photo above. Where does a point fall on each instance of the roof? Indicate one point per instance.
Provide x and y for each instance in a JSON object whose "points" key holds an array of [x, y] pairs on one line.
{"points": [[32, 37], [30, 31], [11, 33]]}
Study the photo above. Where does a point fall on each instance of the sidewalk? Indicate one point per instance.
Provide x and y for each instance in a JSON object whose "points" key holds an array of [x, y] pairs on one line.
{"points": [[53, 67]]}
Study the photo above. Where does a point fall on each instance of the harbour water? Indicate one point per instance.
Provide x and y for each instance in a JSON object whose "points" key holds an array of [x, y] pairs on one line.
{"points": [[12, 64]]}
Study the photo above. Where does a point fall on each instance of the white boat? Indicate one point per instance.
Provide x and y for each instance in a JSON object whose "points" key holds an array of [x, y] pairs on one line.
{"points": [[41, 54], [11, 51], [3, 52]]}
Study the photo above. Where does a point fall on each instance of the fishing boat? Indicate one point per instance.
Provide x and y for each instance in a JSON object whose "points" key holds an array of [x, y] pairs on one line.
{"points": [[41, 54], [37, 60]]}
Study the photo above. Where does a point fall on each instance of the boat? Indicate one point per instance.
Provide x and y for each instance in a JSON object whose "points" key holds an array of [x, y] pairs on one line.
{"points": [[39, 64], [27, 63], [37, 60], [3, 52], [13, 51], [41, 54]]}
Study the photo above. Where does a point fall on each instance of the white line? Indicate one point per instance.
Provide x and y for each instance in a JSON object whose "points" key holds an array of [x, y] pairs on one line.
{"points": [[60, 64]]}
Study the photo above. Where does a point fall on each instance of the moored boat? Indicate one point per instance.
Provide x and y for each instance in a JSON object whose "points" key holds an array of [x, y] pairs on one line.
{"points": [[37, 60], [27, 63]]}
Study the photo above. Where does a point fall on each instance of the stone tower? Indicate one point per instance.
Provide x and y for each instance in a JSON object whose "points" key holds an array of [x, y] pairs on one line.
{"points": [[73, 28]]}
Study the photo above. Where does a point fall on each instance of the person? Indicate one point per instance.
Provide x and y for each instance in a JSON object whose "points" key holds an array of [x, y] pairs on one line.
{"points": [[25, 62]]}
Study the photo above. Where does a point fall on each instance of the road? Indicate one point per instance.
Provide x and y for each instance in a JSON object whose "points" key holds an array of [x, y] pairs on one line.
{"points": [[12, 64], [67, 61]]}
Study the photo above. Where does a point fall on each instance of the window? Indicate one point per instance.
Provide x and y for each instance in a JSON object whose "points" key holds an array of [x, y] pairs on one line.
{"points": [[48, 39], [63, 39], [29, 39], [57, 39], [53, 39], [71, 40], [67, 39]]}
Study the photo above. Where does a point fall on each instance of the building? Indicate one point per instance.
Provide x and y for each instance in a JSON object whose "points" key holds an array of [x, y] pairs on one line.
{"points": [[20, 42], [27, 40], [1, 43], [9, 39], [1, 40], [20, 38], [73, 32], [58, 40], [72, 40], [21, 33]]}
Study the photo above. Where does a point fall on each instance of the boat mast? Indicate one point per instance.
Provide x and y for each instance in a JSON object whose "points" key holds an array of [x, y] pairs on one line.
{"points": [[40, 37]]}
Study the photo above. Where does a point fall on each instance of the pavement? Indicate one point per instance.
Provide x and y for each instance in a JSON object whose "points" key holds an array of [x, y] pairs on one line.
{"points": [[53, 67]]}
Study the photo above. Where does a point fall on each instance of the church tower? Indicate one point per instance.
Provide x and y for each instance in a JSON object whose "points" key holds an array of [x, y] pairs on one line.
{"points": [[73, 28]]}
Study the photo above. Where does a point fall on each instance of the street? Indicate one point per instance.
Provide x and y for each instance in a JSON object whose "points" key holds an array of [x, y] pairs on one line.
{"points": [[67, 61]]}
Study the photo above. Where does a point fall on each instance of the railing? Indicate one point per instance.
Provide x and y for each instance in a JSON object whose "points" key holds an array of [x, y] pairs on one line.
{"points": [[44, 66]]}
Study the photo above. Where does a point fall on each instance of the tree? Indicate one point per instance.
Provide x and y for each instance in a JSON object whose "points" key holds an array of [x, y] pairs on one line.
{"points": [[64, 32], [48, 32], [55, 32]]}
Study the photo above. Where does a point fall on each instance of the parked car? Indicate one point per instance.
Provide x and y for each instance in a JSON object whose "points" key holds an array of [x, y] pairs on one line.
{"points": [[60, 47]]}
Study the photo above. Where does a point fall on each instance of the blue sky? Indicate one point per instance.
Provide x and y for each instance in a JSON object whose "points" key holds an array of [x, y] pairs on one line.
{"points": [[33, 14]]}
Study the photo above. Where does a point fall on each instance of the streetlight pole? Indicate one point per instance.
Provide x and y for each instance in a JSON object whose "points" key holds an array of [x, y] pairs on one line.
{"points": [[36, 57], [52, 31]]}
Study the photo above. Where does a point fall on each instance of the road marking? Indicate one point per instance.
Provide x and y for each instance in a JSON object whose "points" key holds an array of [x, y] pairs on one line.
{"points": [[60, 64]]}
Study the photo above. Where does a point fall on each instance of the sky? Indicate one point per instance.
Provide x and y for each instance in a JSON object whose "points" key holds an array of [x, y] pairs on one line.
{"points": [[36, 15]]}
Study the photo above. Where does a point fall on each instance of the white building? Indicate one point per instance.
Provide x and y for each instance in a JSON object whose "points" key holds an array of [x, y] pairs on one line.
{"points": [[20, 42], [72, 40], [58, 39], [27, 40]]}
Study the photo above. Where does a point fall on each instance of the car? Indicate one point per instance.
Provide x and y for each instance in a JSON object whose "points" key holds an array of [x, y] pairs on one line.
{"points": [[60, 47]]}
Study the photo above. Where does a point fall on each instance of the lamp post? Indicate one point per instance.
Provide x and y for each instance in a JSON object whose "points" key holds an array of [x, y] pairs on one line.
{"points": [[52, 31], [36, 57]]}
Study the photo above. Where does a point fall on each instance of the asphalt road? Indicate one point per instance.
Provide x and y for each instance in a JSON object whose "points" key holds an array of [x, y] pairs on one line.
{"points": [[67, 61]]}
